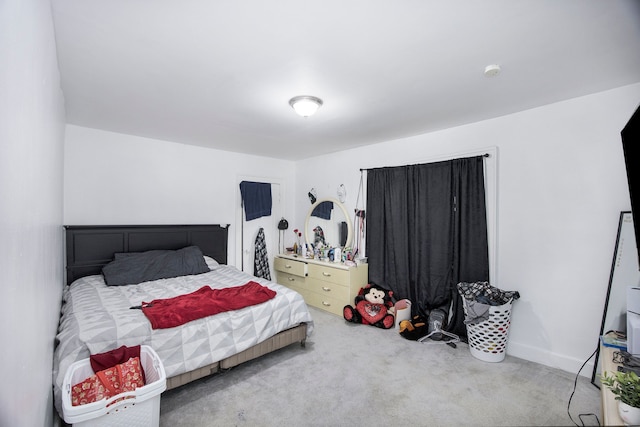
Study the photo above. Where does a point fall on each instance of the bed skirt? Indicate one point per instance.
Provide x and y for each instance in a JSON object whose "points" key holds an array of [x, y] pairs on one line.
{"points": [[276, 342]]}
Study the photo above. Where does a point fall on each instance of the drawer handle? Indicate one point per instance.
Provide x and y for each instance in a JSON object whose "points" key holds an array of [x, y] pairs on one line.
{"points": [[324, 288], [326, 274], [326, 304], [287, 266], [291, 279]]}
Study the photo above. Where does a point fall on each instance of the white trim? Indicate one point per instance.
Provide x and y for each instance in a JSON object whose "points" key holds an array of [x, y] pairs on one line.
{"points": [[548, 358]]}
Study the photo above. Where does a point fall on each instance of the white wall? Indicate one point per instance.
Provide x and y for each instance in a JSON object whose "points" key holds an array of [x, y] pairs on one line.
{"points": [[561, 187], [112, 178], [31, 168]]}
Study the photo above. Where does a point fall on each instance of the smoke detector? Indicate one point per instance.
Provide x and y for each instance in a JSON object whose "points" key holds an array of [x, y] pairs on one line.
{"points": [[491, 70]]}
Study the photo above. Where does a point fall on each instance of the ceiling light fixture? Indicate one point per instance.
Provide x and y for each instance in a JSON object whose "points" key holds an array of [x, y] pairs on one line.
{"points": [[492, 70], [305, 105]]}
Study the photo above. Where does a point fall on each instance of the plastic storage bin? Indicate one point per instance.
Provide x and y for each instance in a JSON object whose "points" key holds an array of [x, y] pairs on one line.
{"points": [[488, 339], [140, 408]]}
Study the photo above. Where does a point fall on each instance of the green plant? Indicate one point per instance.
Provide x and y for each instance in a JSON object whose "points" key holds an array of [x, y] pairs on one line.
{"points": [[625, 386]]}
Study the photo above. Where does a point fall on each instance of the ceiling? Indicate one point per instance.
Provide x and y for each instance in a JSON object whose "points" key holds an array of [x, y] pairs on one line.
{"points": [[220, 73]]}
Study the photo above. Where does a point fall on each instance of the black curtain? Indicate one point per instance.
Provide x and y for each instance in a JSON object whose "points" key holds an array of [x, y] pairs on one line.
{"points": [[427, 231]]}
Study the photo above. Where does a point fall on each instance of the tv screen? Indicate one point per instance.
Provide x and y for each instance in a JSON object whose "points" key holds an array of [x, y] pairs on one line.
{"points": [[631, 147]]}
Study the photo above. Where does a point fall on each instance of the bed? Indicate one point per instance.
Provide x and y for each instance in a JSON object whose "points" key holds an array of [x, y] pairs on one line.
{"points": [[97, 318]]}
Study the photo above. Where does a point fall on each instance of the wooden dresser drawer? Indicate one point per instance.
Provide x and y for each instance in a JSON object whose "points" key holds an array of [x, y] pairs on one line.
{"points": [[329, 274], [294, 282], [328, 289], [290, 280], [324, 302], [296, 268]]}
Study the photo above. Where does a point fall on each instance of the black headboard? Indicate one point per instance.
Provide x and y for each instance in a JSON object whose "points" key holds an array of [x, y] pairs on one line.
{"points": [[91, 247]]}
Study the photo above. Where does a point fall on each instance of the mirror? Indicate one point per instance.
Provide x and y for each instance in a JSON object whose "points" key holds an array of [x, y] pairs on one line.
{"points": [[624, 274], [328, 223]]}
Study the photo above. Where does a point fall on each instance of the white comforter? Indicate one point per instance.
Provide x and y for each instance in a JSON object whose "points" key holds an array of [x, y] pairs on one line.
{"points": [[97, 318]]}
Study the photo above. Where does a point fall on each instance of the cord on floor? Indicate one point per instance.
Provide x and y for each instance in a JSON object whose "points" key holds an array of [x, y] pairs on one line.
{"points": [[575, 384]]}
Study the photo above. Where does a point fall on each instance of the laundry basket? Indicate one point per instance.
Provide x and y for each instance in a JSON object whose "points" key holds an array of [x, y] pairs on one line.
{"points": [[488, 339], [141, 408], [487, 312]]}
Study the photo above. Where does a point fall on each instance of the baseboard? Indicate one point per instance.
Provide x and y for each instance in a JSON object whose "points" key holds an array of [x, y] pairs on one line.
{"points": [[554, 360]]}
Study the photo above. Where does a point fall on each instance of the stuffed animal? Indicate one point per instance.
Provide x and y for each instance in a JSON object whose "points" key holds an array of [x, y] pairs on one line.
{"points": [[413, 329], [373, 306]]}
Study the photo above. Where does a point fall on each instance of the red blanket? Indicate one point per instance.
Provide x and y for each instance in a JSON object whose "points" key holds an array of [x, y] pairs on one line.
{"points": [[171, 312]]}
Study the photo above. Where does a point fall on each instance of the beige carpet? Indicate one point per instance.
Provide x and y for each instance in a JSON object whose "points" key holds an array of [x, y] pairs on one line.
{"points": [[356, 375]]}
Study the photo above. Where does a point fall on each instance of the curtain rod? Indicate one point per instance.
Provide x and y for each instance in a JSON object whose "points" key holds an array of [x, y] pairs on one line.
{"points": [[483, 155]]}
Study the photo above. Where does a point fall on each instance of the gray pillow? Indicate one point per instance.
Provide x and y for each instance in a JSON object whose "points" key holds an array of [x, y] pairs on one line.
{"points": [[137, 267]]}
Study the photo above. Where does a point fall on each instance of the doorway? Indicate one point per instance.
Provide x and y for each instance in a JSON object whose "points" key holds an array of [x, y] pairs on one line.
{"points": [[247, 231]]}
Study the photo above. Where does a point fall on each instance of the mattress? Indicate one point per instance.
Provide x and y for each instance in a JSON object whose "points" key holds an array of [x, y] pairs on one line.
{"points": [[97, 318]]}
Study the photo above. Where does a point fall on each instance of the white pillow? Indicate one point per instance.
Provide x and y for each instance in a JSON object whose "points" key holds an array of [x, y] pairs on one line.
{"points": [[211, 263]]}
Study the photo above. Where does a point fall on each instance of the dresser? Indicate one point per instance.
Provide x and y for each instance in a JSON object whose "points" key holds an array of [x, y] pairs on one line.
{"points": [[325, 285]]}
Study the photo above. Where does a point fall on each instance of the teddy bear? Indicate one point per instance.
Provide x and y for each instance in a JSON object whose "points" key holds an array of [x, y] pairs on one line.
{"points": [[373, 306]]}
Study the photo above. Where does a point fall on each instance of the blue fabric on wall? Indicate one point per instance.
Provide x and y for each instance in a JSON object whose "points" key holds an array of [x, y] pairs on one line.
{"points": [[256, 198], [323, 210]]}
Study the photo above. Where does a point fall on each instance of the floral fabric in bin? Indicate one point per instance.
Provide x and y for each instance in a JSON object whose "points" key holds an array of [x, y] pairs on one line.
{"points": [[109, 382], [479, 297]]}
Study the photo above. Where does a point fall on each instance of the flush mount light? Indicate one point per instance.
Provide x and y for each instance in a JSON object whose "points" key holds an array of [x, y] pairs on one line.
{"points": [[492, 70], [305, 105]]}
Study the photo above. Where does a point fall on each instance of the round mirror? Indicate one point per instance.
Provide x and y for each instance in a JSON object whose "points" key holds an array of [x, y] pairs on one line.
{"points": [[328, 224]]}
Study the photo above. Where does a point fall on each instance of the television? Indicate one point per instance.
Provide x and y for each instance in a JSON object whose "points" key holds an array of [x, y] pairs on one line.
{"points": [[631, 148]]}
